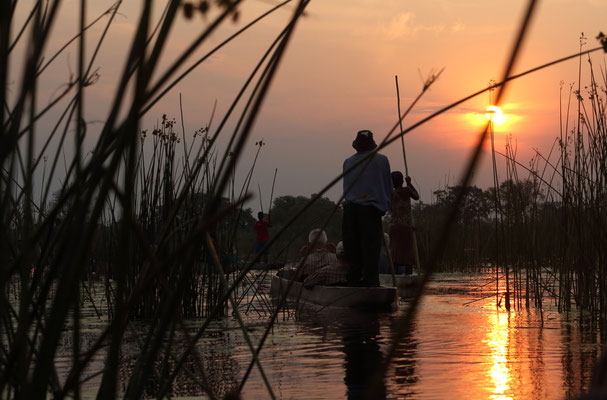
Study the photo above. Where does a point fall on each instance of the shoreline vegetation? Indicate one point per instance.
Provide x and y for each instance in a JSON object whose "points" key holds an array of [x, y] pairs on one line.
{"points": [[156, 213]]}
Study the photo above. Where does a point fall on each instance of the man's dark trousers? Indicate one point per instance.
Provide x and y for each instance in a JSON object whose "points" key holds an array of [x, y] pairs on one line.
{"points": [[361, 235]]}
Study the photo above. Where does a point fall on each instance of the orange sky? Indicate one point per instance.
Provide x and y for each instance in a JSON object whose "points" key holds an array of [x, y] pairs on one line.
{"points": [[338, 78]]}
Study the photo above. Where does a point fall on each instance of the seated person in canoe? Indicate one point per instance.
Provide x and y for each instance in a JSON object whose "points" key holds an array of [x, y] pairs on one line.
{"points": [[333, 274], [317, 254]]}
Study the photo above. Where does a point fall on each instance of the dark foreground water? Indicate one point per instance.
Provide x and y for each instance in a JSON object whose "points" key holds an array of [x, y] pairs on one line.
{"points": [[462, 347]]}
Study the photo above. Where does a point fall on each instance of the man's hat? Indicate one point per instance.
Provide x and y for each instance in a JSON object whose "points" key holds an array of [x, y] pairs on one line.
{"points": [[364, 141]]}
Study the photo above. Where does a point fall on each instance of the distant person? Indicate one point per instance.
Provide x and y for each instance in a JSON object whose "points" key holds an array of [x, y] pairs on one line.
{"points": [[333, 274], [318, 255], [261, 227], [368, 190], [401, 224]]}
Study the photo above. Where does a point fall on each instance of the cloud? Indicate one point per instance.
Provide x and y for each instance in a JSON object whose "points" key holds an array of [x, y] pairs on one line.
{"points": [[458, 27], [401, 26], [404, 25]]}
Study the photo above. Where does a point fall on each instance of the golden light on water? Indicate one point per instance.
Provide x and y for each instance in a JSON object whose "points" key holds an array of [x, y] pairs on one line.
{"points": [[497, 340], [495, 115]]}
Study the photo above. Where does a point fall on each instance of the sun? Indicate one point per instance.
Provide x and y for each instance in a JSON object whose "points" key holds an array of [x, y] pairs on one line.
{"points": [[495, 115], [500, 120]]}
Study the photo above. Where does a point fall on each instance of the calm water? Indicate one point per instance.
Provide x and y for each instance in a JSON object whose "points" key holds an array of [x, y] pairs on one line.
{"points": [[462, 347]]}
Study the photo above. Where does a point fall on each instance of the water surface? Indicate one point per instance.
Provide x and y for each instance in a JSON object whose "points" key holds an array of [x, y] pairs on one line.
{"points": [[462, 347]]}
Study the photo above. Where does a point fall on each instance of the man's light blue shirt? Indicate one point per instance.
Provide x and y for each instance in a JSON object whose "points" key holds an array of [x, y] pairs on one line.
{"points": [[374, 186]]}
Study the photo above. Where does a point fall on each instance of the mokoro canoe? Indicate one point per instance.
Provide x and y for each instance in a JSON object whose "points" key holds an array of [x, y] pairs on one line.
{"points": [[385, 298], [406, 284]]}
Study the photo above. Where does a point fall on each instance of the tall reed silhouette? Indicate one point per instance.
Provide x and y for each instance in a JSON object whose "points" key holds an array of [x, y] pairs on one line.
{"points": [[154, 220], [153, 224]]}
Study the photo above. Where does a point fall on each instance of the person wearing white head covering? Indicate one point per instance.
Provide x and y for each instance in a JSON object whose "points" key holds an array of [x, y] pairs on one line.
{"points": [[332, 274], [317, 237], [318, 255]]}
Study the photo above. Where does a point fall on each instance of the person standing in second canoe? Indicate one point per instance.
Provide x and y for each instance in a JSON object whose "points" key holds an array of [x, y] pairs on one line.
{"points": [[368, 190], [401, 224], [261, 229]]}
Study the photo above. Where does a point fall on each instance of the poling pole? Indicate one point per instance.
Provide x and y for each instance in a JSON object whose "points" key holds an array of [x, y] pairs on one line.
{"points": [[260, 202], [272, 193], [400, 123], [402, 140]]}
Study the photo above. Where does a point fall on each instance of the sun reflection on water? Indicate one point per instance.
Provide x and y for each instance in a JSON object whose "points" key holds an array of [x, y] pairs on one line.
{"points": [[498, 340]]}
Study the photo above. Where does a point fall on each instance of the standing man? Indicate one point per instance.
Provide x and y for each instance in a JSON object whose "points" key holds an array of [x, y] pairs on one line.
{"points": [[261, 227], [368, 190]]}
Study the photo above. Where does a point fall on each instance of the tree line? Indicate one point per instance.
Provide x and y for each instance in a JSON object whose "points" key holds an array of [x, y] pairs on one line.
{"points": [[516, 221]]}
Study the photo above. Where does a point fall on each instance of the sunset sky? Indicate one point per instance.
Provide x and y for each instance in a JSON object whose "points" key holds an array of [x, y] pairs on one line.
{"points": [[338, 77]]}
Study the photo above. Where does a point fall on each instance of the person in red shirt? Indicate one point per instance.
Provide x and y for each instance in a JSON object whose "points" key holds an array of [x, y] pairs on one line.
{"points": [[261, 227]]}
